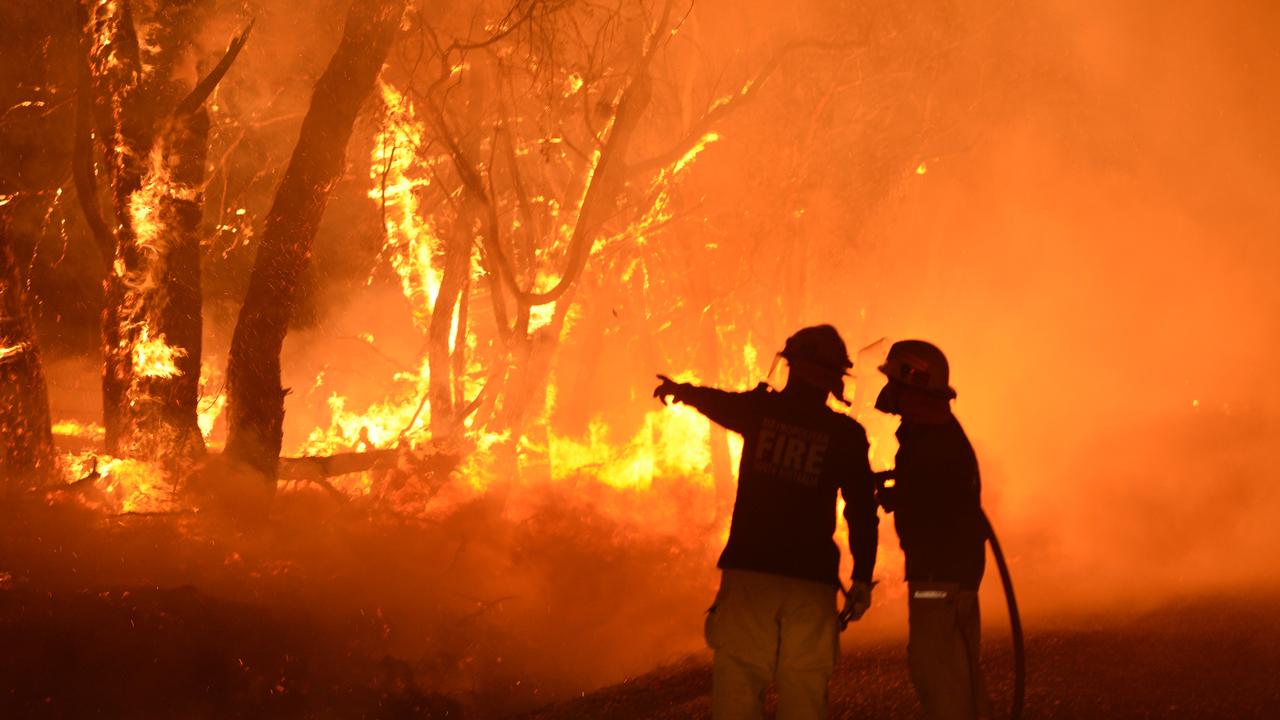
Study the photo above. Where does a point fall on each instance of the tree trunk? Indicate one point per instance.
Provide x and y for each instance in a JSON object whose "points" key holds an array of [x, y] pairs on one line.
{"points": [[255, 397], [440, 363], [26, 440], [155, 143], [164, 389], [533, 354]]}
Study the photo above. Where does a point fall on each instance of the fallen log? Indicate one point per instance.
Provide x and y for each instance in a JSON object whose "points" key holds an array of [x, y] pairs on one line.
{"points": [[321, 467]]}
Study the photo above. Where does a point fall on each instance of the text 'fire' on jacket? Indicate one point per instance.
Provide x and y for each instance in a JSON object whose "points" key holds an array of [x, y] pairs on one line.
{"points": [[795, 457]]}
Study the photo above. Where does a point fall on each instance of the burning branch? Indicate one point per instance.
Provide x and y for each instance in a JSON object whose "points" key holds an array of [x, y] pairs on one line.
{"points": [[155, 136]]}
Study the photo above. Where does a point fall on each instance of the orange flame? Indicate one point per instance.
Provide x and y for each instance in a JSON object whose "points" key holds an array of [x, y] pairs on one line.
{"points": [[154, 357]]}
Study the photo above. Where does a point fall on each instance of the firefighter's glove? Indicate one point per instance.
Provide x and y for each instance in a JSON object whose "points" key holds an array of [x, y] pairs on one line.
{"points": [[668, 390], [856, 602]]}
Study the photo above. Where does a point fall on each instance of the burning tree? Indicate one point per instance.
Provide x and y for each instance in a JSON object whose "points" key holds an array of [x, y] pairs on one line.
{"points": [[153, 131], [505, 164], [256, 398], [533, 169]]}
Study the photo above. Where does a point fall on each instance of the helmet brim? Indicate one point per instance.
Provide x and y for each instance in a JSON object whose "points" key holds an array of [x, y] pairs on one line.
{"points": [[949, 392]]}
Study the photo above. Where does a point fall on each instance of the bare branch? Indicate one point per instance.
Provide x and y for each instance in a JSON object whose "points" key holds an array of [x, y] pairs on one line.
{"points": [[82, 172], [206, 86], [724, 107]]}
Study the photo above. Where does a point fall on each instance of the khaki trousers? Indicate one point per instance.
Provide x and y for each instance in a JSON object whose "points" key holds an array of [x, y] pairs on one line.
{"points": [[766, 627], [943, 651]]}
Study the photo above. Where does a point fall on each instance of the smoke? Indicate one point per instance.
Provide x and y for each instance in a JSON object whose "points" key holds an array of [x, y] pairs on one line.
{"points": [[1076, 203], [1100, 269]]}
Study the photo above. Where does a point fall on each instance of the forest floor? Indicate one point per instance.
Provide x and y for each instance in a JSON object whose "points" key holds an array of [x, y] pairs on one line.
{"points": [[1197, 659], [178, 653]]}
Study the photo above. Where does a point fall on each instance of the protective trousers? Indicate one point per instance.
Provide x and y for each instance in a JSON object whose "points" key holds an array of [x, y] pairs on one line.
{"points": [[943, 651], [766, 627]]}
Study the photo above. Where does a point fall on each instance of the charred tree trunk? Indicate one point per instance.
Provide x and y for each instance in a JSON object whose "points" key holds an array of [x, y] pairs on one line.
{"points": [[164, 391], [255, 397], [155, 135], [26, 439]]}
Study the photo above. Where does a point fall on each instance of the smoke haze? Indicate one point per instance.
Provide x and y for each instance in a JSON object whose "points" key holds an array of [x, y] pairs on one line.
{"points": [[1076, 201]]}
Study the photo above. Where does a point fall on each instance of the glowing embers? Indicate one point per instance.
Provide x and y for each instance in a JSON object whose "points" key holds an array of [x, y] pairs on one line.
{"points": [[153, 357], [573, 84]]}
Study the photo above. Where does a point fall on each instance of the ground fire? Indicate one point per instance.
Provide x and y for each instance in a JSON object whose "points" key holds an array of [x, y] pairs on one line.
{"points": [[329, 334]]}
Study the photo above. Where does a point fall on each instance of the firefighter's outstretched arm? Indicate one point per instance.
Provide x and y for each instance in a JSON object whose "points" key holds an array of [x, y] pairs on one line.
{"points": [[732, 410]]}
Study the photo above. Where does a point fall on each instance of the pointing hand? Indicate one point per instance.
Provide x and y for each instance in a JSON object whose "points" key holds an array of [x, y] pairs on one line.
{"points": [[666, 391]]}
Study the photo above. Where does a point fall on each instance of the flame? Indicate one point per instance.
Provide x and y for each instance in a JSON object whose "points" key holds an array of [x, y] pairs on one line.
{"points": [[119, 485], [541, 316], [692, 153], [672, 442], [12, 351], [143, 210], [398, 176], [209, 410], [573, 84], [84, 431], [153, 357]]}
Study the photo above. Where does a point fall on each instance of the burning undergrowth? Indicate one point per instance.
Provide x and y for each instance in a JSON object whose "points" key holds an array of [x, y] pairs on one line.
{"points": [[496, 600]]}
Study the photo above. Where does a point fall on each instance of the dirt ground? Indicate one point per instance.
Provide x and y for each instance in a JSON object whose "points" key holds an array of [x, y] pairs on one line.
{"points": [[1194, 659], [178, 653]]}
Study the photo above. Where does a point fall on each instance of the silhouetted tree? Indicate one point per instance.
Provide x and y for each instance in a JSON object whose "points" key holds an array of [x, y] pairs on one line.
{"points": [[26, 440], [153, 131], [255, 400]]}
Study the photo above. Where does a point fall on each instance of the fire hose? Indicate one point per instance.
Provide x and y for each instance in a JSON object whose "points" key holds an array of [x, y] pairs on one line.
{"points": [[1015, 619]]}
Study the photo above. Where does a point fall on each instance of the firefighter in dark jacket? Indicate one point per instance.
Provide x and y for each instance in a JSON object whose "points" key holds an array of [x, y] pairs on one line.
{"points": [[935, 500], [775, 615]]}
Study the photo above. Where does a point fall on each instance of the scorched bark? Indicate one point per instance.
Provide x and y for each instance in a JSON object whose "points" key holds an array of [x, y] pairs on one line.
{"points": [[155, 134], [26, 439], [255, 397]]}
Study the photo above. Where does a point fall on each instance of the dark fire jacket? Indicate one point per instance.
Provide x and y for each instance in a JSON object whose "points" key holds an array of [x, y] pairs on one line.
{"points": [[937, 504], [794, 460]]}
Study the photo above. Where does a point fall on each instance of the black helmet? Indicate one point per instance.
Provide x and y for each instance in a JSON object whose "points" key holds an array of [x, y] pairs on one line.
{"points": [[921, 365], [818, 355]]}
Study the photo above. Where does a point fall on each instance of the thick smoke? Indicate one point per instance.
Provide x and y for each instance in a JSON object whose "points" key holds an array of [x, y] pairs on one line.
{"points": [[1100, 268], [1076, 203]]}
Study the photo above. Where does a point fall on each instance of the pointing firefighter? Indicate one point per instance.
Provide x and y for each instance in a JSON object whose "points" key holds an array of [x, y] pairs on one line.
{"points": [[935, 497], [775, 615]]}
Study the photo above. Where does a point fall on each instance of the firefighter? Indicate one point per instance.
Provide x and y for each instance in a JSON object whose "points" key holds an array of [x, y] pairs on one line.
{"points": [[774, 617], [935, 499]]}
